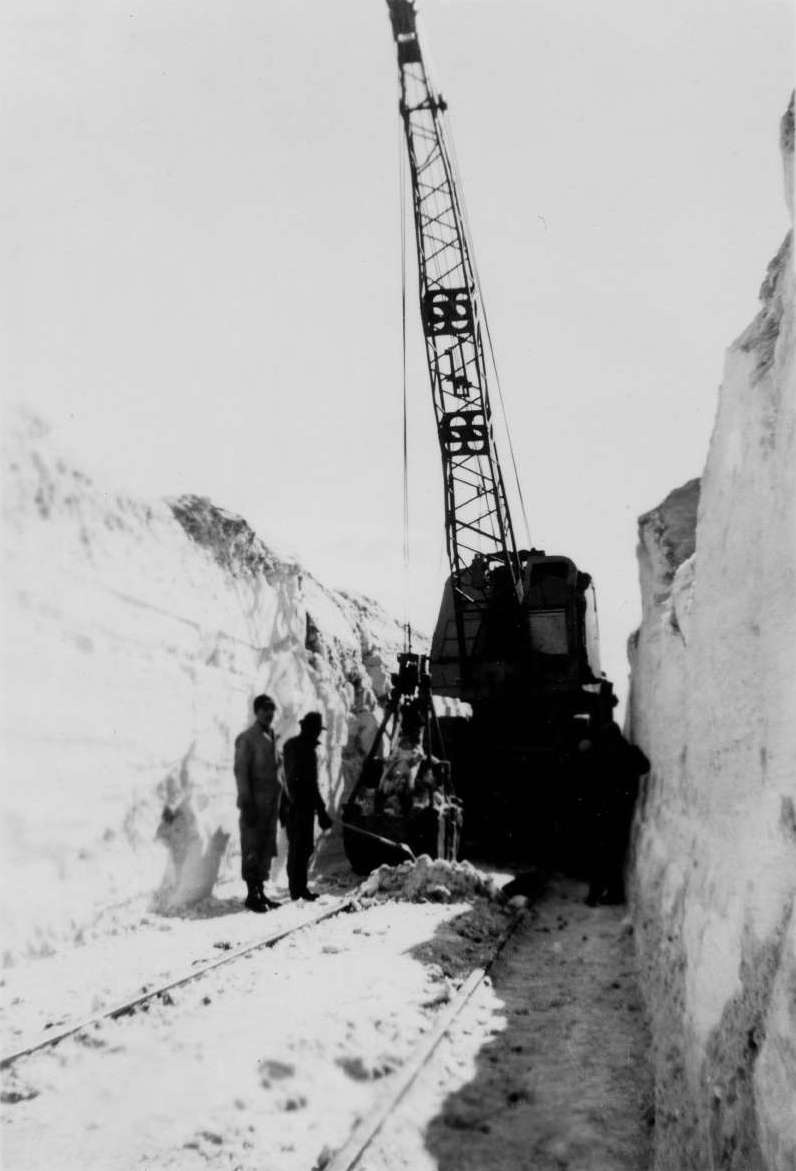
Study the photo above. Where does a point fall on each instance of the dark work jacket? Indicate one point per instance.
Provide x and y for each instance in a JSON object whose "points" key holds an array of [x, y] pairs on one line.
{"points": [[301, 798]]}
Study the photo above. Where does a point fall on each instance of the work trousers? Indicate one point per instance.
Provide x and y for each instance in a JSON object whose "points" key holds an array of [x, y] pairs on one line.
{"points": [[607, 863], [300, 844], [258, 846]]}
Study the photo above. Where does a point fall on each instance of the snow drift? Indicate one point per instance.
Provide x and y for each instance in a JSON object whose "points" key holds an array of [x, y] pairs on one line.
{"points": [[713, 696], [136, 634]]}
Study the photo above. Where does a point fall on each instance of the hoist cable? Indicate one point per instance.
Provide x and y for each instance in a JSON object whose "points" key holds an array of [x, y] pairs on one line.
{"points": [[406, 549], [506, 423]]}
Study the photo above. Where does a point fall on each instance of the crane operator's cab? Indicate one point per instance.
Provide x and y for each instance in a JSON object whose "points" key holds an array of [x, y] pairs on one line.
{"points": [[548, 640], [560, 612]]}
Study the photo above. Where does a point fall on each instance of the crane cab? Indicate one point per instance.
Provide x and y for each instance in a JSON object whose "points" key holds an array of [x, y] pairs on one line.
{"points": [[492, 640], [560, 614]]}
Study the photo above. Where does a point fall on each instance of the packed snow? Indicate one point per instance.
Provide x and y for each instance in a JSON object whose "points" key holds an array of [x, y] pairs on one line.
{"points": [[712, 700]]}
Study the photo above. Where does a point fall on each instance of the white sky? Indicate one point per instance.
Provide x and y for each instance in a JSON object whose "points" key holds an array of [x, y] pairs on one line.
{"points": [[202, 262]]}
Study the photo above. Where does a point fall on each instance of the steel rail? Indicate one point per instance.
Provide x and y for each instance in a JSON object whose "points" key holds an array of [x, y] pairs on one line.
{"points": [[130, 1005], [364, 1133]]}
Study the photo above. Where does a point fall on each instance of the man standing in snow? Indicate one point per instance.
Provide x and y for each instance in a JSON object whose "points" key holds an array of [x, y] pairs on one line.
{"points": [[256, 775], [301, 801]]}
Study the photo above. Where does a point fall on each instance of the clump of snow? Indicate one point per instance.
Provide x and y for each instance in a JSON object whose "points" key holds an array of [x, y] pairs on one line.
{"points": [[430, 880], [194, 857]]}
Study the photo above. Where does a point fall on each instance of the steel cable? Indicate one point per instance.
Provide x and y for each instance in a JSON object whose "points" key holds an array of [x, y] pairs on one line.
{"points": [[405, 469]]}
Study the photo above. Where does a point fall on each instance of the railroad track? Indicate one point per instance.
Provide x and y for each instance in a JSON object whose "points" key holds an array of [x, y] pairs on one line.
{"points": [[349, 1156], [121, 1009], [397, 1092]]}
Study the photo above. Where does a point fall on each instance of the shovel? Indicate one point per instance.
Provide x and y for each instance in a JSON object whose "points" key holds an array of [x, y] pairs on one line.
{"points": [[377, 837]]}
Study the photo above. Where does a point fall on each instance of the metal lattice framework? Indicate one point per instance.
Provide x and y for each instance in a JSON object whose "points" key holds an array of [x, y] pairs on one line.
{"points": [[477, 520]]}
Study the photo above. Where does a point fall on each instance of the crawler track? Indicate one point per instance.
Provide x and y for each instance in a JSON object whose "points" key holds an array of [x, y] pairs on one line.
{"points": [[126, 1006], [363, 1135]]}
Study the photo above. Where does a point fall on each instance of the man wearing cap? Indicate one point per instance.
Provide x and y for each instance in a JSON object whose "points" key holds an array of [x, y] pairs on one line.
{"points": [[256, 775], [301, 801]]}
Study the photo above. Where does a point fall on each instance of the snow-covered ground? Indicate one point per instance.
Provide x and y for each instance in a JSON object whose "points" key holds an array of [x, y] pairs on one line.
{"points": [[712, 703], [260, 1063], [270, 1061]]}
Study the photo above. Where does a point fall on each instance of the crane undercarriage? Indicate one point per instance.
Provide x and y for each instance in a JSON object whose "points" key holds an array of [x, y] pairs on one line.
{"points": [[404, 804]]}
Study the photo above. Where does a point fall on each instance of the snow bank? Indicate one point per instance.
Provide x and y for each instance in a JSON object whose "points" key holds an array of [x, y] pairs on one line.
{"points": [[136, 634], [713, 696]]}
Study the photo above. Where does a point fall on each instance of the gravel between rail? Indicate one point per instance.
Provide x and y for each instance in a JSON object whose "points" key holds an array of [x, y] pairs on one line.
{"points": [[547, 1066]]}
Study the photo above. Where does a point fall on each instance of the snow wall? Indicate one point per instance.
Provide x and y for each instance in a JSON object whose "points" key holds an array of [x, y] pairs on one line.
{"points": [[713, 705], [135, 636]]}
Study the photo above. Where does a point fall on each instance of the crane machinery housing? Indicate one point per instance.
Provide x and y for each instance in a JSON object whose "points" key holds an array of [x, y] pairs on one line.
{"points": [[516, 636]]}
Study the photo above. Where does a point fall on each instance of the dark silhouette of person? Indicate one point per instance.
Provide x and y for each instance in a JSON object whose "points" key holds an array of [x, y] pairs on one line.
{"points": [[618, 766], [301, 801], [256, 775]]}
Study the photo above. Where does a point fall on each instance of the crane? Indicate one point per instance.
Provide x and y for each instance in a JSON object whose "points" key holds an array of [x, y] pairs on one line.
{"points": [[517, 633], [478, 523]]}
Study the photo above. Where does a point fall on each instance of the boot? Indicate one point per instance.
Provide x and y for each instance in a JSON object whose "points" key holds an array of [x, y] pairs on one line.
{"points": [[268, 904], [254, 900]]}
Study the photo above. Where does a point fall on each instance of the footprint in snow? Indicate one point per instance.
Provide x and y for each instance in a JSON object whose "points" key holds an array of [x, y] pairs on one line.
{"points": [[209, 1136], [90, 1040], [19, 1093], [274, 1071], [359, 1071]]}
